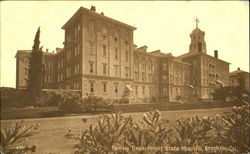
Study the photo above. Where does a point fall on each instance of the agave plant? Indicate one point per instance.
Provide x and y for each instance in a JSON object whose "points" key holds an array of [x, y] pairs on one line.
{"points": [[12, 139], [237, 124], [193, 131], [152, 131], [100, 138]]}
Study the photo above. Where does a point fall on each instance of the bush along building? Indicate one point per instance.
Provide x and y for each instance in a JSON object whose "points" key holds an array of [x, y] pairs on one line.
{"points": [[100, 58]]}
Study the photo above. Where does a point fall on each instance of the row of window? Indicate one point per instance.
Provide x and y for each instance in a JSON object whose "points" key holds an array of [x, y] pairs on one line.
{"points": [[73, 86], [60, 63], [104, 87], [48, 65], [73, 33], [143, 77], [104, 51], [76, 52], [47, 78], [76, 70], [105, 69]]}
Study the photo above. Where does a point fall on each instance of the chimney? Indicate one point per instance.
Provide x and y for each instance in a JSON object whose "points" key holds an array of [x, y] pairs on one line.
{"points": [[92, 8], [216, 53]]}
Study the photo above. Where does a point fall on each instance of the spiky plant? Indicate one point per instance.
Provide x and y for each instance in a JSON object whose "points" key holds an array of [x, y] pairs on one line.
{"points": [[13, 138]]}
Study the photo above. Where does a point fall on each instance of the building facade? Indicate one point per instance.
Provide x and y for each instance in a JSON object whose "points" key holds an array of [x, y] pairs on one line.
{"points": [[100, 58], [239, 78]]}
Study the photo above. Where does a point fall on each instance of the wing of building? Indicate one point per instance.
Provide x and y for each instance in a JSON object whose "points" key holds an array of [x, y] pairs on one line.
{"points": [[240, 78], [99, 58]]}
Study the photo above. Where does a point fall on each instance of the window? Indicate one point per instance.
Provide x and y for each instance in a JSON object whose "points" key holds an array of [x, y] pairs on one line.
{"points": [[199, 47], [143, 76], [61, 63], [136, 90], [76, 32], [104, 32], [116, 70], [136, 76], [25, 71], [104, 50], [69, 71], [61, 76], [78, 29], [77, 69], [92, 87], [104, 87], [116, 53], [68, 54], [91, 65], [116, 39], [45, 78], [143, 90], [91, 47], [104, 68], [116, 88], [127, 55], [149, 77], [126, 72], [164, 78], [164, 65]]}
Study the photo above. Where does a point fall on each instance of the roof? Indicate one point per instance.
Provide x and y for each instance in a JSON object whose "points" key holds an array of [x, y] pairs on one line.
{"points": [[237, 72], [157, 53], [87, 11], [129, 87], [23, 52], [197, 30], [190, 54], [28, 52]]}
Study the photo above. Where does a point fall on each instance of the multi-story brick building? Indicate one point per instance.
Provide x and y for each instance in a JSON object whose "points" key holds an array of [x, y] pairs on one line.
{"points": [[49, 69], [99, 58], [240, 78]]}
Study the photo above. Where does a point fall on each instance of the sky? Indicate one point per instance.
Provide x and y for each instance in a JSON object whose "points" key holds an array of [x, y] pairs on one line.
{"points": [[164, 25]]}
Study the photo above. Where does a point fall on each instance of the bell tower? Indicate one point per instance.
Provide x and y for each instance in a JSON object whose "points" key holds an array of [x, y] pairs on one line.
{"points": [[198, 44]]}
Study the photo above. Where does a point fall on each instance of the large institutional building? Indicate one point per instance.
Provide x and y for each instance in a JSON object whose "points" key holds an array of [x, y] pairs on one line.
{"points": [[99, 58]]}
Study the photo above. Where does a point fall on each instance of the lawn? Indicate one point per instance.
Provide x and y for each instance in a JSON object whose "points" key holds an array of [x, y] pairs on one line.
{"points": [[50, 138]]}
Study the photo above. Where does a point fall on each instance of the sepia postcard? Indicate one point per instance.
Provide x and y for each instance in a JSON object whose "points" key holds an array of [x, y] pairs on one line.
{"points": [[124, 77]]}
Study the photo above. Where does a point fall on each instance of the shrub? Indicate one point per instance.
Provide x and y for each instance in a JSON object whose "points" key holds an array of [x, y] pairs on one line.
{"points": [[69, 102], [119, 131], [195, 131], [92, 103], [11, 97], [12, 139], [230, 129], [152, 131], [123, 101], [237, 128], [100, 138]]}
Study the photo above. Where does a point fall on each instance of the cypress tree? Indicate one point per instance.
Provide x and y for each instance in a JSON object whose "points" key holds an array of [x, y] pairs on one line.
{"points": [[35, 70]]}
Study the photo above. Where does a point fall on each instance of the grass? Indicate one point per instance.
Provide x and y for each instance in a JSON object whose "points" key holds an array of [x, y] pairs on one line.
{"points": [[36, 112], [50, 138], [43, 112]]}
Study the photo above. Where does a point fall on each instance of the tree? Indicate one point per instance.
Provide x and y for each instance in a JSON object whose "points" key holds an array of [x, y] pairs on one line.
{"points": [[35, 70]]}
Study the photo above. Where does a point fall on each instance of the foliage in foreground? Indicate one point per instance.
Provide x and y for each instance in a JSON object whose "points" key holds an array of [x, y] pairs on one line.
{"points": [[12, 140], [116, 130]]}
